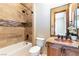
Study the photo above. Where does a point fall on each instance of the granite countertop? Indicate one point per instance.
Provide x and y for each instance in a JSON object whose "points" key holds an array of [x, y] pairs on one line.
{"points": [[65, 43]]}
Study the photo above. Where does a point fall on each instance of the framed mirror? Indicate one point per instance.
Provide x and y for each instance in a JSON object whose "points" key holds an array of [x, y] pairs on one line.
{"points": [[59, 20], [77, 18], [73, 21], [60, 23], [64, 20]]}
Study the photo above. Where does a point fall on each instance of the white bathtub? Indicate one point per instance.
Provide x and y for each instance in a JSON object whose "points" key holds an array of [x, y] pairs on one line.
{"points": [[12, 49]]}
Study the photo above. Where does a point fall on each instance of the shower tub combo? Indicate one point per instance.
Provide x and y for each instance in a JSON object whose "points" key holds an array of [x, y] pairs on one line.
{"points": [[18, 49]]}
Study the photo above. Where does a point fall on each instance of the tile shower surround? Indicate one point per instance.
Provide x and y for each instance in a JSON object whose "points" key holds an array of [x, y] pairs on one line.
{"points": [[12, 32]]}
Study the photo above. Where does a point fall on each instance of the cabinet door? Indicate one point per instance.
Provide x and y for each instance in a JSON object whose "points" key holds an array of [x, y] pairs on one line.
{"points": [[53, 51], [49, 51], [71, 52]]}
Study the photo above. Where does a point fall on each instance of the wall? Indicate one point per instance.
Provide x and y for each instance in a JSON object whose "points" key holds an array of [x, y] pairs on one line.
{"points": [[11, 35], [29, 28], [42, 20]]}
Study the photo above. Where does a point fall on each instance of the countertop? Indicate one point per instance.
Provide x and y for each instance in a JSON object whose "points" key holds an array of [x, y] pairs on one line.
{"points": [[66, 43]]}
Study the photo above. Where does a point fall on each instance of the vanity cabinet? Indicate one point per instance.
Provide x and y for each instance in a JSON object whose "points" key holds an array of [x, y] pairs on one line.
{"points": [[53, 50], [61, 50], [70, 51]]}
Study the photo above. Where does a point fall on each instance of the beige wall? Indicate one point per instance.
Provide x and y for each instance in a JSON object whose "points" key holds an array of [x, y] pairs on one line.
{"points": [[12, 35], [13, 12], [42, 20]]}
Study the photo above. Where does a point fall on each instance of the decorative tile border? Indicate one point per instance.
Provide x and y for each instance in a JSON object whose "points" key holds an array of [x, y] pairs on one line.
{"points": [[10, 23]]}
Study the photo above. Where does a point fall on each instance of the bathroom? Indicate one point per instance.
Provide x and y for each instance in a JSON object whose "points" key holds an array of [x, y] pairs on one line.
{"points": [[27, 29]]}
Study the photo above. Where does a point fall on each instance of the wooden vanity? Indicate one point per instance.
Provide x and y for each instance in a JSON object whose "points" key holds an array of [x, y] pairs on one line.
{"points": [[62, 48]]}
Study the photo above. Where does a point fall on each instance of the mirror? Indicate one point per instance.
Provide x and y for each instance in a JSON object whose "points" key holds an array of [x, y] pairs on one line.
{"points": [[73, 21], [59, 20], [60, 23], [64, 20], [77, 18]]}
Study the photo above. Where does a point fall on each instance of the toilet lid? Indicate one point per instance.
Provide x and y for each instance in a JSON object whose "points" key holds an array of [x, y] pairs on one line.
{"points": [[34, 49], [40, 38]]}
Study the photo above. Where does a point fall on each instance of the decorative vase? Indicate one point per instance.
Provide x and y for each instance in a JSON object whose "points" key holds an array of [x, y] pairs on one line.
{"points": [[73, 37]]}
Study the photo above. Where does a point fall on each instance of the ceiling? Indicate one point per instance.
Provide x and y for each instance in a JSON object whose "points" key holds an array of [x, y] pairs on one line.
{"points": [[53, 5]]}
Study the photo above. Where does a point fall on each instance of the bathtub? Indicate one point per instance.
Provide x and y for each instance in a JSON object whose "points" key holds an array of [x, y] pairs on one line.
{"points": [[13, 49]]}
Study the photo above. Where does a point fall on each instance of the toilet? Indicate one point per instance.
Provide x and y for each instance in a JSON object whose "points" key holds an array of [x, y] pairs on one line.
{"points": [[35, 50]]}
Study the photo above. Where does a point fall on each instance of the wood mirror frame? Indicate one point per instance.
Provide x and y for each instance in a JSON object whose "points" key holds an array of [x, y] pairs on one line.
{"points": [[78, 28], [52, 17]]}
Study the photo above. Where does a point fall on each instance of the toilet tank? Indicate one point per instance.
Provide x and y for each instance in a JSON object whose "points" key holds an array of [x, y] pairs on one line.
{"points": [[40, 42]]}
